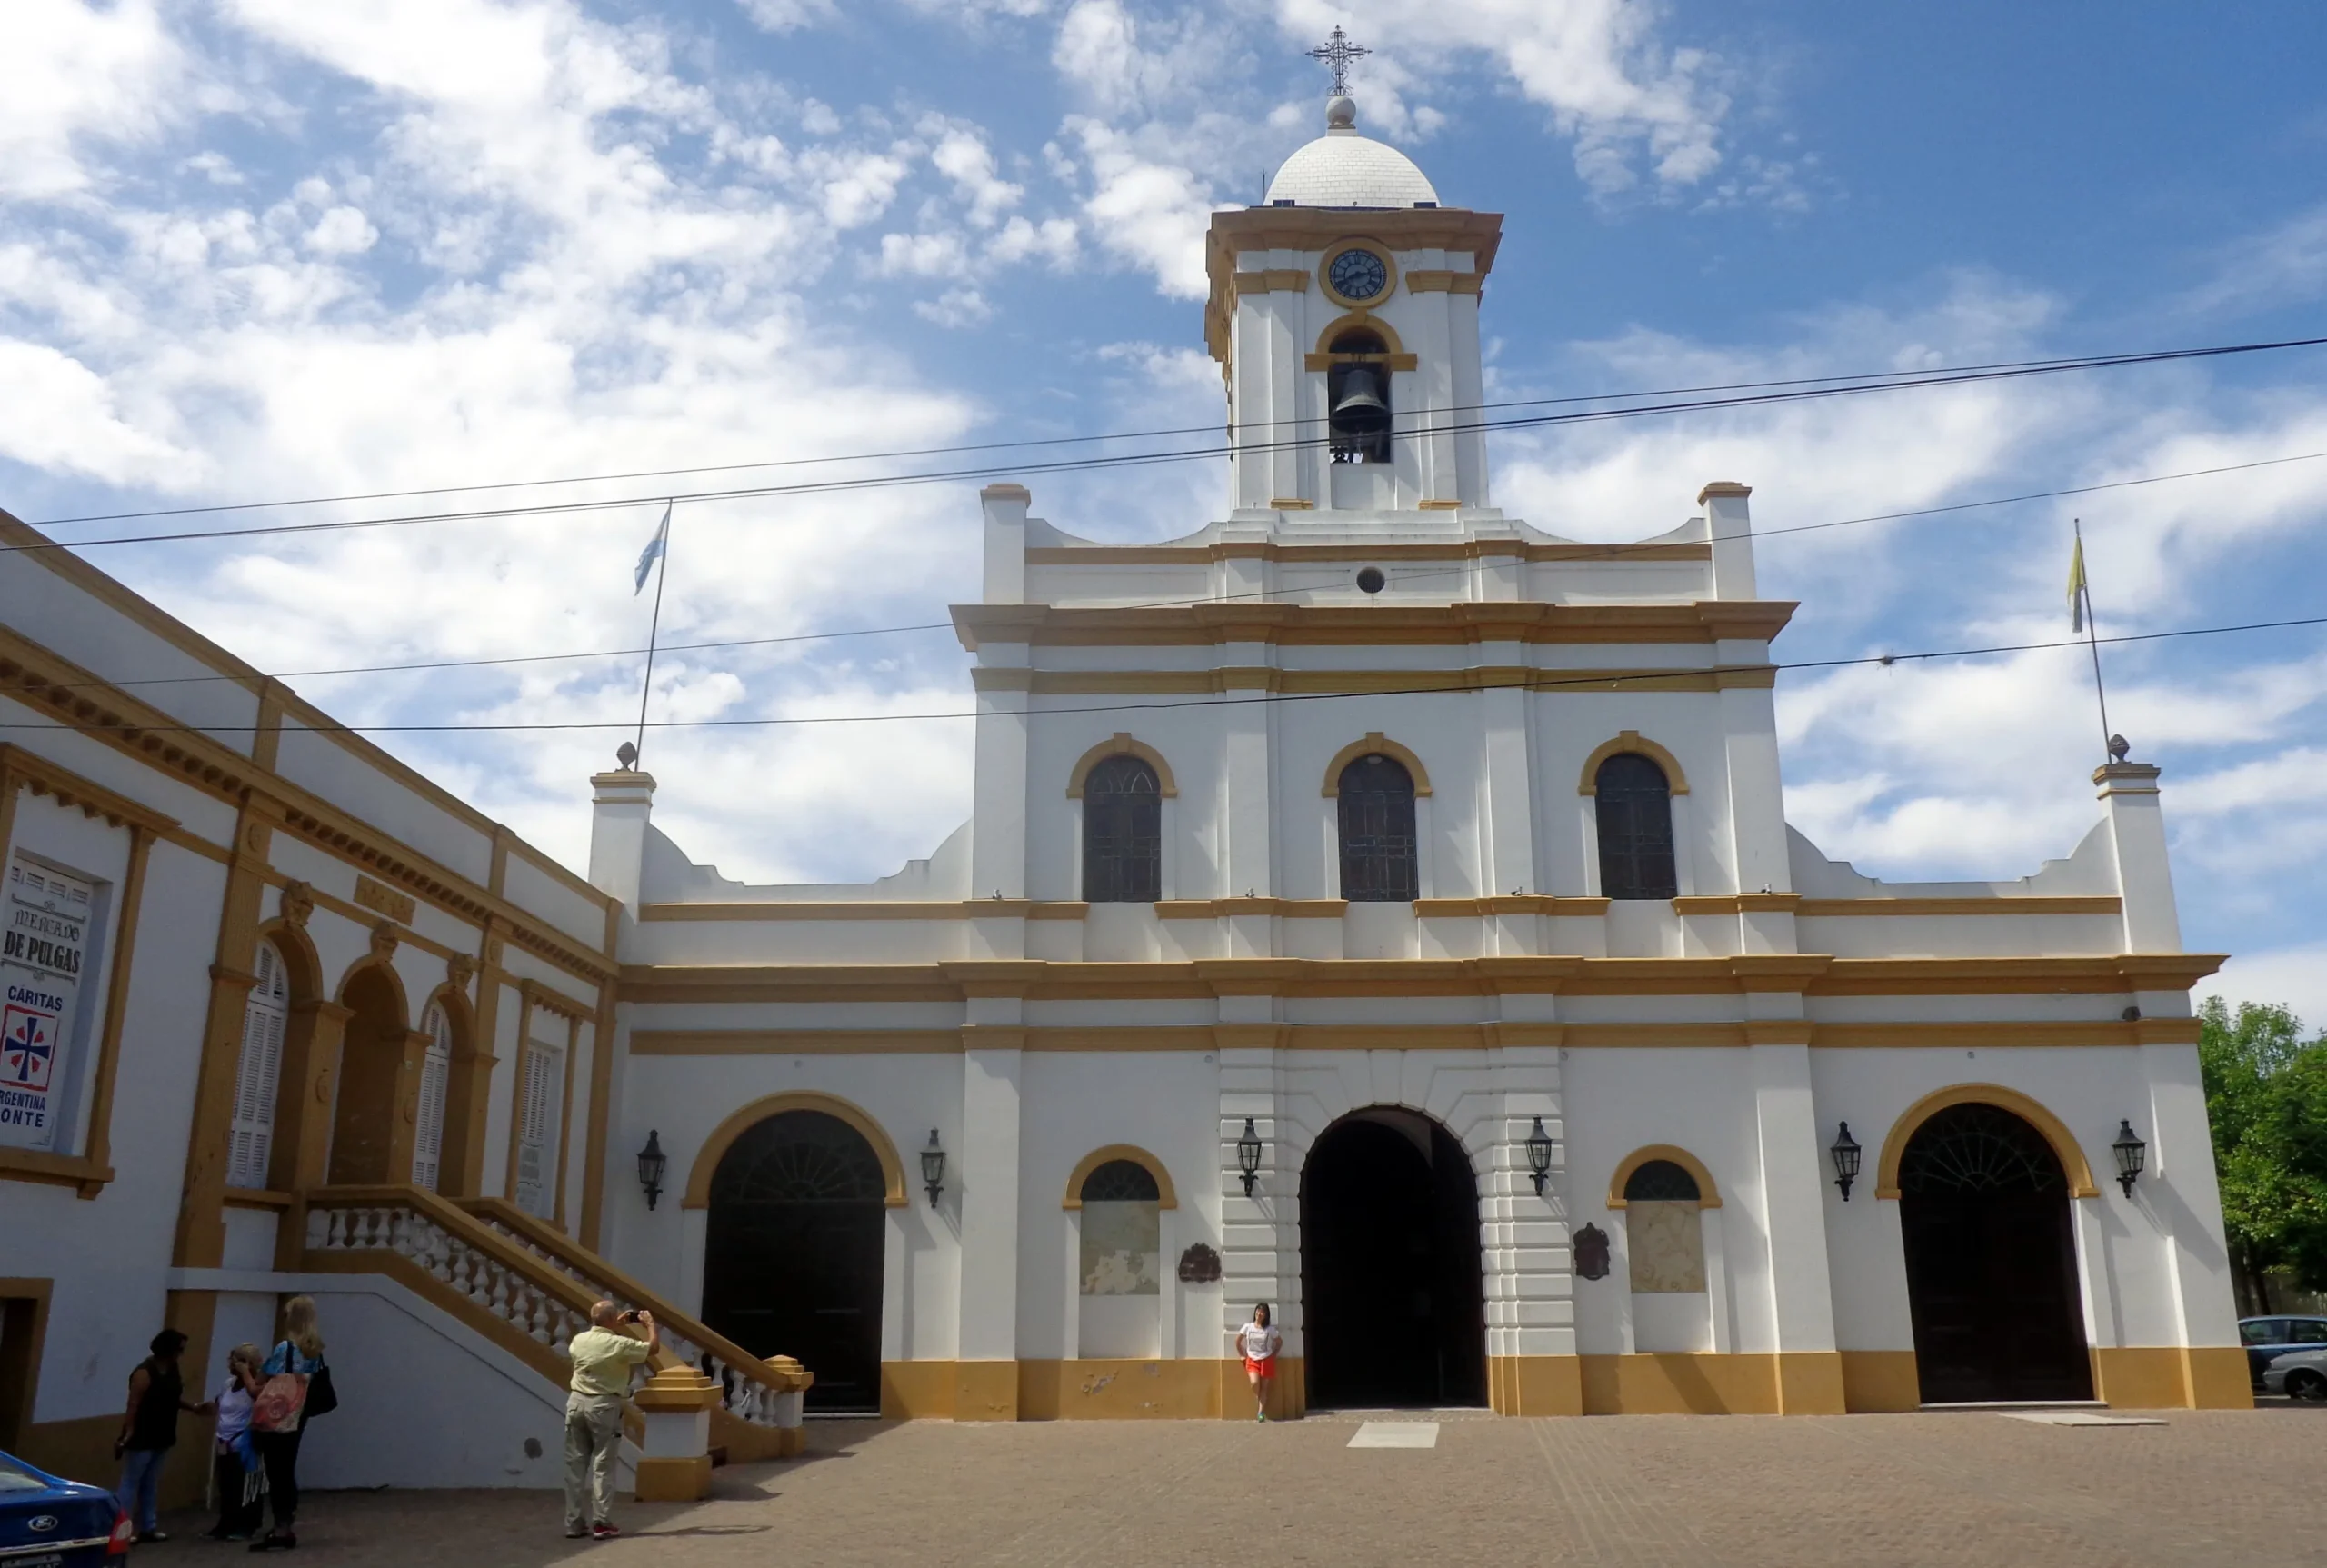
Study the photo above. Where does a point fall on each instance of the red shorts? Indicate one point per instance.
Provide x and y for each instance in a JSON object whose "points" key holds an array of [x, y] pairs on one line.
{"points": [[1261, 1368]]}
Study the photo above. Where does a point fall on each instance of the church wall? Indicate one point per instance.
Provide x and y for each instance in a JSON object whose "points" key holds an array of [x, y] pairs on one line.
{"points": [[685, 1099], [1697, 1100], [1074, 1102]]}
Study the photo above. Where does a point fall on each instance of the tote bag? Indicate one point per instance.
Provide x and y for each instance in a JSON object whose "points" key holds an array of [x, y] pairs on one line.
{"points": [[281, 1400], [321, 1398]]}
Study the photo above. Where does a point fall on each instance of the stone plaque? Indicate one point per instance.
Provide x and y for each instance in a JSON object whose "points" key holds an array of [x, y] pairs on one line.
{"points": [[1199, 1266]]}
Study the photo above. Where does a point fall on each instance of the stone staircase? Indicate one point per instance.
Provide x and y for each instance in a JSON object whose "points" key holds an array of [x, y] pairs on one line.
{"points": [[528, 1288]]}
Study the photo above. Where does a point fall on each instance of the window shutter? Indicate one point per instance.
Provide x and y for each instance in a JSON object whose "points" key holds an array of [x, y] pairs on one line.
{"points": [[435, 1073], [258, 1074], [537, 1131]]}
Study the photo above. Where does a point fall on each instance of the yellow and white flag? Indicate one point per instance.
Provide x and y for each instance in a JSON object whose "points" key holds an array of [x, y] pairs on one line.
{"points": [[2076, 586]]}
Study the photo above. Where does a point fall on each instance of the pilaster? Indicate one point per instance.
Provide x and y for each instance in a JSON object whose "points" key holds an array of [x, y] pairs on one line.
{"points": [[2137, 834], [987, 1388], [1801, 1304]]}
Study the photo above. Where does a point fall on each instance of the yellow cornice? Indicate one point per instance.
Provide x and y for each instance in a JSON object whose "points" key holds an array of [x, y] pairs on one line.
{"points": [[1109, 556], [1991, 1033], [1260, 678], [1807, 973], [1212, 624], [2000, 904]]}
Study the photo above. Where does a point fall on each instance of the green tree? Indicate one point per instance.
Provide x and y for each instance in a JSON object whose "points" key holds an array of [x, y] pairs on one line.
{"points": [[2266, 1094]]}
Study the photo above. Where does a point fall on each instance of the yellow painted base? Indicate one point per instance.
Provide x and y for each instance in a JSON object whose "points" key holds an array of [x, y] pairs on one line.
{"points": [[1879, 1381], [985, 1391], [2169, 1377], [1535, 1385], [1792, 1383], [675, 1480], [1863, 1382], [1117, 1390]]}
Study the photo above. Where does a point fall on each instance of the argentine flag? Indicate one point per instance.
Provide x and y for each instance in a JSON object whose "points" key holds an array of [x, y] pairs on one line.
{"points": [[653, 551]]}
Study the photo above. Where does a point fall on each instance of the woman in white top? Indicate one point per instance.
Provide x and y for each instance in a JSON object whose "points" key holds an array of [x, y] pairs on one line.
{"points": [[1260, 1340]]}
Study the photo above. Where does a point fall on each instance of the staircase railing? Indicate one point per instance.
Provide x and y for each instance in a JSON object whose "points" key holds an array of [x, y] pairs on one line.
{"points": [[749, 1385], [529, 1288]]}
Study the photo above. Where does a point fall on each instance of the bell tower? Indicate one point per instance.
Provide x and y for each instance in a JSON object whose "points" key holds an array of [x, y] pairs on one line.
{"points": [[1344, 313]]}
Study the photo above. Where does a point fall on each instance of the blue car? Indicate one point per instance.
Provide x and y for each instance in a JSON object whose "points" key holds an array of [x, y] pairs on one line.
{"points": [[47, 1522]]}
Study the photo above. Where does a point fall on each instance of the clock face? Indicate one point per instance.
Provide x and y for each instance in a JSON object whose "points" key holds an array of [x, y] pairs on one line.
{"points": [[1358, 274]]}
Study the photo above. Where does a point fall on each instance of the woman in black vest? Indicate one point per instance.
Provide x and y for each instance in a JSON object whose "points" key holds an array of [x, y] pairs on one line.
{"points": [[149, 1430]]}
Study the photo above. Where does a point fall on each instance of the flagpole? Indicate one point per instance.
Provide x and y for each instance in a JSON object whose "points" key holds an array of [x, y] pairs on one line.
{"points": [[662, 572], [2091, 635]]}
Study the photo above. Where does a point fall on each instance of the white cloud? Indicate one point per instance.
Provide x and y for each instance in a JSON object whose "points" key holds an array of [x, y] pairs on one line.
{"points": [[790, 15], [962, 158], [78, 73], [342, 231], [956, 308], [2294, 977], [1146, 210]]}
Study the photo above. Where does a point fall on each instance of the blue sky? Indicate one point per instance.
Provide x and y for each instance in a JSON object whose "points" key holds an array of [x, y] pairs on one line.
{"points": [[260, 248]]}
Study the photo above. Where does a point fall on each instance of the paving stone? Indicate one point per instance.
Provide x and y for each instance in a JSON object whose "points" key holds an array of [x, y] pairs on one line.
{"points": [[2199, 1488]]}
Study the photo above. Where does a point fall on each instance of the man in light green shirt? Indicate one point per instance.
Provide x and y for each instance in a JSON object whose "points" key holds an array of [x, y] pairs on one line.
{"points": [[604, 1357]]}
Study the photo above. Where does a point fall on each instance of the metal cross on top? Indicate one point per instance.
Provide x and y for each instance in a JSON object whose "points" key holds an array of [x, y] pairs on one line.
{"points": [[1338, 53]]}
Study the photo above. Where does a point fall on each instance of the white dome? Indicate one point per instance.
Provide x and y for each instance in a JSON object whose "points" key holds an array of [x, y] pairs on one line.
{"points": [[1343, 169]]}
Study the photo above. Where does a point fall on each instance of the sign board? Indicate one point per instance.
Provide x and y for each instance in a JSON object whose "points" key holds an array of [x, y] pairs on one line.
{"points": [[44, 939]]}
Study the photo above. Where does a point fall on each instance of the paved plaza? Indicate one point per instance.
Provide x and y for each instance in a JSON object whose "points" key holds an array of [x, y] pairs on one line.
{"points": [[1867, 1490]]}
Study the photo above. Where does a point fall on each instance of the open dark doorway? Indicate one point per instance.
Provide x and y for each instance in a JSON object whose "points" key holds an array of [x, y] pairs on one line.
{"points": [[1394, 1310], [792, 1252], [1991, 1278]]}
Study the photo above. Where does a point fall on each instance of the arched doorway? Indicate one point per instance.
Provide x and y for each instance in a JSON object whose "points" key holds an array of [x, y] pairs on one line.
{"points": [[793, 1254], [1992, 1276], [371, 1082], [1394, 1308]]}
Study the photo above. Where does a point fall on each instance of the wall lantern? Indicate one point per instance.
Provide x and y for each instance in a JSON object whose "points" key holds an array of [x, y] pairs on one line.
{"points": [[652, 1163], [1248, 1156], [1539, 1156], [932, 1168], [2131, 1155], [1845, 1152]]}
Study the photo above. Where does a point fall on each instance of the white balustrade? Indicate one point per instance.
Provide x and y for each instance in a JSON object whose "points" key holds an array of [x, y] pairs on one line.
{"points": [[527, 1304]]}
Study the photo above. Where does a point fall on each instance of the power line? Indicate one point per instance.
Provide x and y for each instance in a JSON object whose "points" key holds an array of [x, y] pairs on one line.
{"points": [[1610, 551], [1133, 460], [1611, 679], [1875, 380]]}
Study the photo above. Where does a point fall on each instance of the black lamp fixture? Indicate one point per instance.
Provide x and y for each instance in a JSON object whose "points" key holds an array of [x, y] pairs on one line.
{"points": [[1539, 1156], [1248, 1156], [652, 1163], [2131, 1154], [932, 1168], [1845, 1152]]}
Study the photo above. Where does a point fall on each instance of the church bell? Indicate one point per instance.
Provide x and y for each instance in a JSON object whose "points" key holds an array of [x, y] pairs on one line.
{"points": [[1359, 410]]}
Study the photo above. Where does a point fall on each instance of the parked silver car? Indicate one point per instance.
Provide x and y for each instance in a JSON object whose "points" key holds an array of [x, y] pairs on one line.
{"points": [[2299, 1375]]}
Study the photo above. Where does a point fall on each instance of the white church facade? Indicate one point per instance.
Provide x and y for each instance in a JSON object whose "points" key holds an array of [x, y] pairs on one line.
{"points": [[1370, 904], [1380, 908]]}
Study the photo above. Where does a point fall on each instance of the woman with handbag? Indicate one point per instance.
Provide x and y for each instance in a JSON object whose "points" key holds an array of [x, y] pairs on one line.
{"points": [[296, 1385]]}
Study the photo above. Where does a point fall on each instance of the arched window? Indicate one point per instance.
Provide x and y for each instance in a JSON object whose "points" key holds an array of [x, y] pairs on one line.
{"points": [[1120, 1262], [1635, 810], [1378, 821], [1665, 1236], [1123, 833], [1357, 395], [265, 1013], [436, 1073]]}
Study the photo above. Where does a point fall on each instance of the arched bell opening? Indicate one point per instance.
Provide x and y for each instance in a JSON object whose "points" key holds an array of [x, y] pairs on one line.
{"points": [[1393, 1306], [1991, 1273], [793, 1252], [1357, 395]]}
